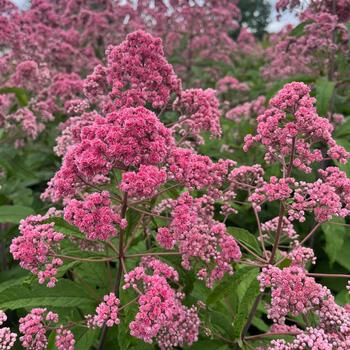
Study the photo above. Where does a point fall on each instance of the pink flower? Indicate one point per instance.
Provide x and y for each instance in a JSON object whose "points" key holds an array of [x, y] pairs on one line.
{"points": [[231, 83], [200, 111], [197, 171], [161, 314], [291, 291], [144, 182], [128, 137], [247, 110], [34, 248], [33, 327], [199, 237], [7, 338], [106, 312], [137, 73], [93, 216], [64, 339], [299, 132]]}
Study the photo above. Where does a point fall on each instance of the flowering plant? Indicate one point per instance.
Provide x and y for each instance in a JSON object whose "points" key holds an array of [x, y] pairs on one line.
{"points": [[148, 241]]}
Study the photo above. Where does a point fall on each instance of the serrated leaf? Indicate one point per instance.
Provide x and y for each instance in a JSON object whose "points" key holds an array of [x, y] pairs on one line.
{"points": [[208, 344], [84, 338], [64, 227], [246, 302], [133, 217], [324, 92], [65, 294], [21, 94], [51, 341], [226, 287], [298, 30], [244, 236], [343, 129], [334, 235], [14, 213]]}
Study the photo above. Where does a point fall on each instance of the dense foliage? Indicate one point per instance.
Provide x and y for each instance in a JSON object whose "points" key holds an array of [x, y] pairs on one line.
{"points": [[164, 185]]}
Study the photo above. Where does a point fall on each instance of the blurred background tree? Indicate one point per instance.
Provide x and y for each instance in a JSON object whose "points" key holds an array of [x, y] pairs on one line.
{"points": [[256, 15]]}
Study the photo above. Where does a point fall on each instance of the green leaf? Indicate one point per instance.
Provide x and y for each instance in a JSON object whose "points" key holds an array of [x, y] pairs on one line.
{"points": [[21, 94], [64, 227], [84, 338], [14, 213], [251, 291], [208, 344], [334, 235], [324, 93], [51, 341], [299, 29], [133, 217], [65, 294], [244, 236], [343, 129], [227, 286]]}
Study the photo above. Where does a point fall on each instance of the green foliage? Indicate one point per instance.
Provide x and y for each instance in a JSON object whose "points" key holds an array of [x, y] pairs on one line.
{"points": [[255, 15], [335, 234], [21, 94], [324, 93], [247, 292], [66, 294], [244, 236], [299, 30], [14, 213]]}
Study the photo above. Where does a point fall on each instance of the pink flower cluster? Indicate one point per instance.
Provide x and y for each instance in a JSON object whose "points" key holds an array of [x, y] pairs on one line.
{"points": [[64, 339], [127, 137], [199, 111], [278, 189], [197, 171], [325, 198], [70, 131], [34, 326], [198, 236], [7, 338], [161, 314], [35, 247], [26, 120], [291, 291], [312, 338], [144, 182], [106, 312], [281, 135], [296, 293], [137, 73], [94, 216], [287, 227], [301, 255], [246, 177], [309, 52], [247, 111], [231, 83]]}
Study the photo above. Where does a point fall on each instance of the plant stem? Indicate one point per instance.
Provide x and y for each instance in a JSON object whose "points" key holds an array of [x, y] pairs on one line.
{"points": [[251, 316], [328, 275], [310, 233], [76, 258], [119, 274], [302, 242], [275, 245], [261, 236], [151, 254], [250, 251], [278, 234], [269, 334]]}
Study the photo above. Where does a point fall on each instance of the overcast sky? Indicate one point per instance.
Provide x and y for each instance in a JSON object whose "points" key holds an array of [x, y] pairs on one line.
{"points": [[274, 26], [286, 18]]}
